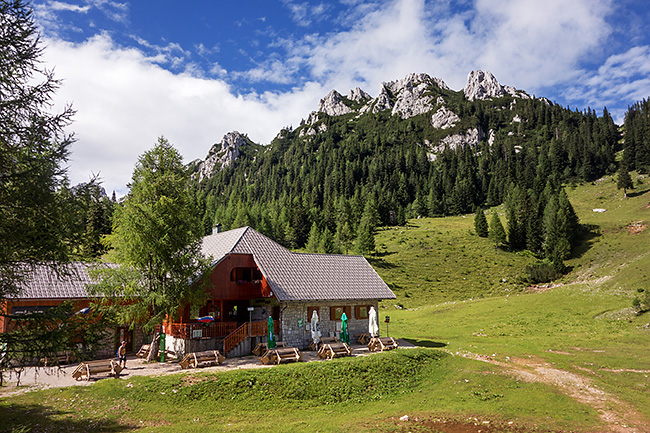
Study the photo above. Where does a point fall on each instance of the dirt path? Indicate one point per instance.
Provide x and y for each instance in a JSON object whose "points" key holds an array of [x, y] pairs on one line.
{"points": [[619, 417]]}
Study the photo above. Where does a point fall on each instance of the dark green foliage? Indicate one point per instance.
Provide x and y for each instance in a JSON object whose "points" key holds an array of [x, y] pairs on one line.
{"points": [[480, 223], [636, 155], [497, 233], [34, 218], [623, 179], [541, 272]]}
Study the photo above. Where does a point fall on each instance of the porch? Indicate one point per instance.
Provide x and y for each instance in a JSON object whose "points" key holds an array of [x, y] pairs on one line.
{"points": [[231, 338]]}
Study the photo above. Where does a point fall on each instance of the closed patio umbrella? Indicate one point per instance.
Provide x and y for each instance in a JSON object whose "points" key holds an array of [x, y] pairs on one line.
{"points": [[345, 332], [270, 336], [373, 326], [315, 328]]}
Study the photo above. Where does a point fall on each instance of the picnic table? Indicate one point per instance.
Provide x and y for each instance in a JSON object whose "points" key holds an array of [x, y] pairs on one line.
{"points": [[323, 340], [281, 354], [382, 343], [364, 338], [261, 348], [203, 359], [88, 368], [334, 350]]}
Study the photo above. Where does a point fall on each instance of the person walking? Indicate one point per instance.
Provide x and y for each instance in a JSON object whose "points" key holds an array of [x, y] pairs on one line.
{"points": [[121, 354]]}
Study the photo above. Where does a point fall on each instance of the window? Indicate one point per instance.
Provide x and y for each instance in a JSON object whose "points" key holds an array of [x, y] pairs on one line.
{"points": [[245, 275], [361, 311], [337, 312]]}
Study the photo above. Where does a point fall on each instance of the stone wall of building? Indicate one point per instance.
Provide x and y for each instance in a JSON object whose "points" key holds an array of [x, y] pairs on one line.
{"points": [[295, 327]]}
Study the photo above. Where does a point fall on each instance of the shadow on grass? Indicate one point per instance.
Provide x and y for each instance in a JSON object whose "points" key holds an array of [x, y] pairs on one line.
{"points": [[380, 263], [424, 343], [637, 192], [33, 417], [591, 233]]}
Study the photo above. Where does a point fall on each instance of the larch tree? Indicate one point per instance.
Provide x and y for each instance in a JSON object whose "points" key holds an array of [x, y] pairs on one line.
{"points": [[156, 237]]}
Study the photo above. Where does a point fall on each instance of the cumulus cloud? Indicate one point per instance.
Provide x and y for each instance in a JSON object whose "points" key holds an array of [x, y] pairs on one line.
{"points": [[124, 101]]}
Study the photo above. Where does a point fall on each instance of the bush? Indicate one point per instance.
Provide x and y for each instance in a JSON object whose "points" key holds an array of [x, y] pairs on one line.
{"points": [[641, 303], [541, 272]]}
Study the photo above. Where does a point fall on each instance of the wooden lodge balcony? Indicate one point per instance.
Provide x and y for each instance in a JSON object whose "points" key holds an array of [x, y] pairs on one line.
{"points": [[216, 329]]}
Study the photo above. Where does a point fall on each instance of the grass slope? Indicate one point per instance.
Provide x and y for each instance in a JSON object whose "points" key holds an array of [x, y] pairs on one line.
{"points": [[586, 324]]}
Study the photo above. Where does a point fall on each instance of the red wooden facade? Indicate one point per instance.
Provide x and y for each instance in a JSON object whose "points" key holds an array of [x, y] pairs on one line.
{"points": [[235, 284]]}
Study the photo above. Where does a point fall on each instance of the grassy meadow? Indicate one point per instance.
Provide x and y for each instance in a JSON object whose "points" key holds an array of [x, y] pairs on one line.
{"points": [[456, 294]]}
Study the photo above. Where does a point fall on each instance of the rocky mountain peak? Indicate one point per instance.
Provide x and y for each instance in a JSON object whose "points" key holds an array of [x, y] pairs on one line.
{"points": [[221, 154], [406, 97], [484, 85], [358, 95], [333, 104]]}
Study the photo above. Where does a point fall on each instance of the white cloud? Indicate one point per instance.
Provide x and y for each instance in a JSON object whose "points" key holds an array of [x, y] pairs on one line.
{"points": [[622, 77], [61, 6], [124, 102], [304, 13]]}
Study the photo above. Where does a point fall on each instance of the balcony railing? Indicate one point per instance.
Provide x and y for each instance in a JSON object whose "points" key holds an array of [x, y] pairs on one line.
{"points": [[201, 330]]}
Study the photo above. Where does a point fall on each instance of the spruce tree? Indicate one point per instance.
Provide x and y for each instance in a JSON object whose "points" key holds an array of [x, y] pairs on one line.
{"points": [[313, 241], [480, 223], [623, 179], [497, 233]]}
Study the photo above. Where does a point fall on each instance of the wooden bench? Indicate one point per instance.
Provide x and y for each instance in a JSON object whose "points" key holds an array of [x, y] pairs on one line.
{"points": [[383, 343], [144, 351], [364, 338], [323, 340], [334, 350], [203, 359], [282, 354], [261, 348], [88, 368], [58, 359]]}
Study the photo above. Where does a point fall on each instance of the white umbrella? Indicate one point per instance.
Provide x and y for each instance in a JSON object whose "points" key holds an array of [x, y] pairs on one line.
{"points": [[373, 327], [315, 328]]}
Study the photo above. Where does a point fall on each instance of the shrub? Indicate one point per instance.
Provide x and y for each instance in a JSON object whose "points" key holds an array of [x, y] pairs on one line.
{"points": [[541, 272]]}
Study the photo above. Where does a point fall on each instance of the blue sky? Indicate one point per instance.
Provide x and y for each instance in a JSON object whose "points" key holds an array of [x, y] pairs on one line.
{"points": [[136, 70]]}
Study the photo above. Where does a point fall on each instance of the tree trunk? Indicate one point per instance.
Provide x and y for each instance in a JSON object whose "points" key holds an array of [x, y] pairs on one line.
{"points": [[153, 348]]}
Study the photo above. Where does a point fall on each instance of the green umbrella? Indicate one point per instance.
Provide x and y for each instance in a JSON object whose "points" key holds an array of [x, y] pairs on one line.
{"points": [[270, 336], [345, 334]]}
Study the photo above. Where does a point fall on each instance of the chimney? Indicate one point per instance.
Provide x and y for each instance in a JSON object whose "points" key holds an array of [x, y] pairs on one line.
{"points": [[216, 229]]}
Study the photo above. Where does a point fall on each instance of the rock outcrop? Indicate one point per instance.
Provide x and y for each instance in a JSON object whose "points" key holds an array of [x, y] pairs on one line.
{"points": [[221, 154], [483, 85], [406, 97], [333, 104], [358, 95], [444, 118], [470, 138]]}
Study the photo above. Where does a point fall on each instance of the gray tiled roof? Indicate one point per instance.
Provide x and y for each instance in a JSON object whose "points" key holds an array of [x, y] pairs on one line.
{"points": [[44, 283], [300, 276]]}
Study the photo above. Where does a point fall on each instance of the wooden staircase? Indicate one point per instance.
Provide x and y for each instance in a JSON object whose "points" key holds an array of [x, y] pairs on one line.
{"points": [[248, 329]]}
